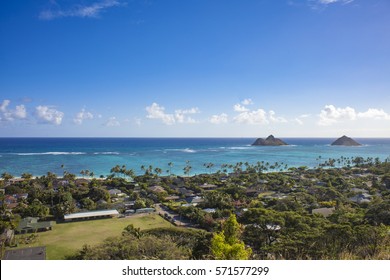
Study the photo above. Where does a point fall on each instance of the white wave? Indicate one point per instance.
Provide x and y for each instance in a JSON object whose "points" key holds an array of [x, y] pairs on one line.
{"points": [[51, 153], [106, 153], [186, 150], [240, 148]]}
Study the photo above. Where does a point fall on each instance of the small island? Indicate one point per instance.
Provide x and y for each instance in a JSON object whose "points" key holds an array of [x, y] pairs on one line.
{"points": [[345, 141], [269, 141]]}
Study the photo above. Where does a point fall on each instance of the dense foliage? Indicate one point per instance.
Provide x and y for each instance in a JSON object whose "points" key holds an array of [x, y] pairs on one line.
{"points": [[340, 210]]}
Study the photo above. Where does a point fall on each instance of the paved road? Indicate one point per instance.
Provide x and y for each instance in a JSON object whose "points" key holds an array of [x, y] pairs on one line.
{"points": [[166, 212]]}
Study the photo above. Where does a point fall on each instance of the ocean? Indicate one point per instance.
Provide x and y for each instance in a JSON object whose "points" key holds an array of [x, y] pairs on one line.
{"points": [[40, 155]]}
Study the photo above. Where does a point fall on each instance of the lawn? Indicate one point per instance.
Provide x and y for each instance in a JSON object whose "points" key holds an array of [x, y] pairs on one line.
{"points": [[66, 238]]}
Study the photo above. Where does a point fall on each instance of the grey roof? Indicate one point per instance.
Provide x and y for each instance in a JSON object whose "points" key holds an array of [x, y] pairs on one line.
{"points": [[324, 211], [91, 214], [210, 210]]}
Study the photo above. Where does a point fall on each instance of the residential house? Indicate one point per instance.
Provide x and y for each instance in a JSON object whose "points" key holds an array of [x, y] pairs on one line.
{"points": [[208, 187], [156, 189], [324, 211], [31, 225]]}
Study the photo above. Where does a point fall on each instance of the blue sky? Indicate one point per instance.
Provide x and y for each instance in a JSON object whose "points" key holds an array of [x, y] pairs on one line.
{"points": [[208, 68]]}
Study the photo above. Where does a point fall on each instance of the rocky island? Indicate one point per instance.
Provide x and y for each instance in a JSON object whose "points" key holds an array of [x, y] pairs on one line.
{"points": [[269, 141], [345, 141]]}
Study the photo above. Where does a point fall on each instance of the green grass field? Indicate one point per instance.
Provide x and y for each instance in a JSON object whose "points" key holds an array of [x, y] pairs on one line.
{"points": [[67, 238]]}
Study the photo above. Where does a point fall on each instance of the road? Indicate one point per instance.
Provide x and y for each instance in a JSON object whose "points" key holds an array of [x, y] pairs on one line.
{"points": [[166, 212]]}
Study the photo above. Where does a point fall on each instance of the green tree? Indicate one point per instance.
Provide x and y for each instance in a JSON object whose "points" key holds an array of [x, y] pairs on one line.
{"points": [[170, 164], [88, 203], [129, 247], [27, 176], [139, 203], [132, 230], [226, 245], [6, 176]]}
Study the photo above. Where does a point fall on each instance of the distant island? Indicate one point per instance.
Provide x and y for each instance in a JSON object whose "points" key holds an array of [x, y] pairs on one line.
{"points": [[269, 141], [345, 141]]}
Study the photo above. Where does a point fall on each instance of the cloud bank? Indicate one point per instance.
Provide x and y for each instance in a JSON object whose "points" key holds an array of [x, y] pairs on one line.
{"points": [[49, 115], [81, 116], [7, 114], [157, 112], [331, 115]]}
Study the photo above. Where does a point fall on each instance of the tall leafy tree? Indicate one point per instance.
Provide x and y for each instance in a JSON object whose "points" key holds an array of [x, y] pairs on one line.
{"points": [[226, 245]]}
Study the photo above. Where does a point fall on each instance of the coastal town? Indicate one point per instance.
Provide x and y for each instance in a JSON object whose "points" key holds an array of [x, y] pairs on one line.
{"points": [[338, 210]]}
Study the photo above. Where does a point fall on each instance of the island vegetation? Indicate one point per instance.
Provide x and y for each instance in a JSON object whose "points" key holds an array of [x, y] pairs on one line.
{"points": [[269, 141], [345, 141], [338, 210]]}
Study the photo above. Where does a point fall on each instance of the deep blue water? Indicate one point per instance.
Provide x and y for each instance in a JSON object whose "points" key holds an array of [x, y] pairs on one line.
{"points": [[40, 155]]}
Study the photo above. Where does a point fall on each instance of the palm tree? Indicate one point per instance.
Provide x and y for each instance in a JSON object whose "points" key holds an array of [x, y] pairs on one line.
{"points": [[170, 164], [187, 168], [158, 171], [116, 169], [6, 176], [26, 176], [130, 173], [123, 170]]}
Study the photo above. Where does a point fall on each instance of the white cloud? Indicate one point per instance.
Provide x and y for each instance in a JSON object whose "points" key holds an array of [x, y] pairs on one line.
{"points": [[81, 116], [259, 116], [323, 3], [180, 115], [240, 108], [331, 115], [8, 114], [4, 105], [299, 120], [20, 112], [219, 119], [155, 111], [49, 115], [275, 119], [194, 110], [91, 11], [377, 114], [253, 117], [112, 121], [247, 101], [326, 2]]}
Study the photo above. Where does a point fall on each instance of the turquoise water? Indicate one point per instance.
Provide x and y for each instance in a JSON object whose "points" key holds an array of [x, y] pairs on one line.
{"points": [[40, 155]]}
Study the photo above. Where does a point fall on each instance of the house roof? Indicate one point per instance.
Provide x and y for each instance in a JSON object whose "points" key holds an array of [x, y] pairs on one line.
{"points": [[209, 210], [324, 211], [32, 223], [157, 189], [195, 199], [172, 197], [208, 186], [91, 214], [114, 191]]}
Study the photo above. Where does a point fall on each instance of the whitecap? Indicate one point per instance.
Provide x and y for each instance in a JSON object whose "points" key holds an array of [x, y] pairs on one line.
{"points": [[106, 153], [51, 153], [186, 150], [240, 148]]}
